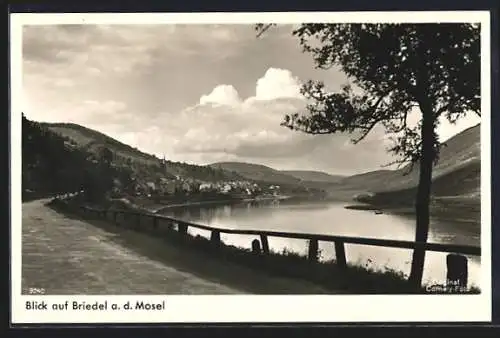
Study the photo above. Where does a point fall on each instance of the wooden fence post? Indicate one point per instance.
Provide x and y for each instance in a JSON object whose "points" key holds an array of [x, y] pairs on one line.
{"points": [[265, 244], [313, 250], [215, 238], [256, 246], [170, 225], [182, 228], [457, 271], [340, 254]]}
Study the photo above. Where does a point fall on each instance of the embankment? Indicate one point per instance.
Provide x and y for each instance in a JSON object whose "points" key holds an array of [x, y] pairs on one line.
{"points": [[354, 279]]}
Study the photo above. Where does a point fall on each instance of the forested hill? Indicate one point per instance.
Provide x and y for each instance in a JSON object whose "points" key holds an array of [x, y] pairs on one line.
{"points": [[52, 164], [123, 154]]}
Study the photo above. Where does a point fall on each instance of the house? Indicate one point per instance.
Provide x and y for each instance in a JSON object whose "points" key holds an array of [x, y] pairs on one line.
{"points": [[206, 187], [186, 186], [170, 187], [151, 185]]}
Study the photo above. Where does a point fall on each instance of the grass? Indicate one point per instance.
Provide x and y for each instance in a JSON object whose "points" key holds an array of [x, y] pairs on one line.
{"points": [[357, 278]]}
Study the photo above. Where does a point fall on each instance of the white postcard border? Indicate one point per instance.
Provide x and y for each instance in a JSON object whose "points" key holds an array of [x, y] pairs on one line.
{"points": [[254, 308]]}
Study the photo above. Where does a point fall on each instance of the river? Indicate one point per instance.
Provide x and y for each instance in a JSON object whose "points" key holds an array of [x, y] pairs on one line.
{"points": [[333, 219]]}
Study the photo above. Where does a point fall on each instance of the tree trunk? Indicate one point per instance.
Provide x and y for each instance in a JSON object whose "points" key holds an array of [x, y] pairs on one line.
{"points": [[422, 203]]}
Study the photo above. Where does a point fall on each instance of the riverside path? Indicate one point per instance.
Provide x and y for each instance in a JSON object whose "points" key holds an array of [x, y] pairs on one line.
{"points": [[67, 255]]}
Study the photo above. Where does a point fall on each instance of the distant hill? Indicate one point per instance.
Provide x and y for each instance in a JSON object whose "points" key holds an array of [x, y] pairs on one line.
{"points": [[457, 173], [257, 172], [313, 176]]}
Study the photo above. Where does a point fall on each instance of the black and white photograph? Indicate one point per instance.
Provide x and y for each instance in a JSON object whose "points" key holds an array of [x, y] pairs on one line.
{"points": [[257, 154]]}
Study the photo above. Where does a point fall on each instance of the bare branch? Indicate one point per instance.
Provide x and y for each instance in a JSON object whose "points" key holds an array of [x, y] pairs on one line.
{"points": [[367, 130], [263, 29]]}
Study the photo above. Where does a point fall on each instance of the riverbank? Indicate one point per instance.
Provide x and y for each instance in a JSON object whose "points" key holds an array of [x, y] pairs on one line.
{"points": [[151, 206], [362, 207], [353, 279], [460, 209]]}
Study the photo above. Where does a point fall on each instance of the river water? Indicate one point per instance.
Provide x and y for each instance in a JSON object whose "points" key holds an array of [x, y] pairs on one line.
{"points": [[333, 219]]}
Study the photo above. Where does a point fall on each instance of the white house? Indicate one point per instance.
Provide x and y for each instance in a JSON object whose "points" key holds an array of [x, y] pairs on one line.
{"points": [[186, 187], [226, 188], [206, 186]]}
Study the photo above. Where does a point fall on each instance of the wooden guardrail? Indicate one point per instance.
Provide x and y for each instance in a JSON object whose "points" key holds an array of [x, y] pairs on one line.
{"points": [[262, 246]]}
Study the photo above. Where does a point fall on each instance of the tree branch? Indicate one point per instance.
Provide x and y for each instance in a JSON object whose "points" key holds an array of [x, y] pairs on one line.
{"points": [[367, 130], [263, 29]]}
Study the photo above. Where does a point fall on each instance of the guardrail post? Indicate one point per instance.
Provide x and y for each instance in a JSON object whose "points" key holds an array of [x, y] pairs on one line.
{"points": [[170, 225], [340, 254], [313, 250], [155, 222], [215, 238], [457, 271], [265, 244], [256, 246], [182, 228]]}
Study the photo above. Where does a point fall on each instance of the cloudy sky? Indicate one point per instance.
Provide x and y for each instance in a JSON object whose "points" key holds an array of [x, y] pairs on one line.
{"points": [[194, 93]]}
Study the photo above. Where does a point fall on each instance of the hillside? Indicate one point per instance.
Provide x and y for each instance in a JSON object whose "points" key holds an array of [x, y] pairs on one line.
{"points": [[53, 164], [457, 173], [313, 176], [93, 141], [257, 172]]}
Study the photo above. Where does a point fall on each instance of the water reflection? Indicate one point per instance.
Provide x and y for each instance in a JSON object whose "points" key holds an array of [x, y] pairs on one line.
{"points": [[334, 219]]}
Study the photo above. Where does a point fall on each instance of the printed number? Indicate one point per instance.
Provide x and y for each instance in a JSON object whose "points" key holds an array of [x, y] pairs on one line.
{"points": [[36, 291]]}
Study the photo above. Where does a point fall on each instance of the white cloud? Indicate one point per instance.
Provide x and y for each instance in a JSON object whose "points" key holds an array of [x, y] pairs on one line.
{"points": [[249, 129], [277, 83], [223, 123], [222, 94]]}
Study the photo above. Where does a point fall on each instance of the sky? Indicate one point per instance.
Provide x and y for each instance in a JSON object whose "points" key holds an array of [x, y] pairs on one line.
{"points": [[193, 93]]}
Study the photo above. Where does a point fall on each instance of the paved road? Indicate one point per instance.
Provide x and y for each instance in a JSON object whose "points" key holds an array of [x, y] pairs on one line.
{"points": [[68, 256], [72, 256]]}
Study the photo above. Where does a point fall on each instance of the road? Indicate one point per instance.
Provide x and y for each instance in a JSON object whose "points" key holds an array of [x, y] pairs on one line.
{"points": [[66, 255]]}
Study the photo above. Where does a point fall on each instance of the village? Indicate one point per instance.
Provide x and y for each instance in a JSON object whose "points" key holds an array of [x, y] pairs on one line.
{"points": [[186, 186], [173, 187]]}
